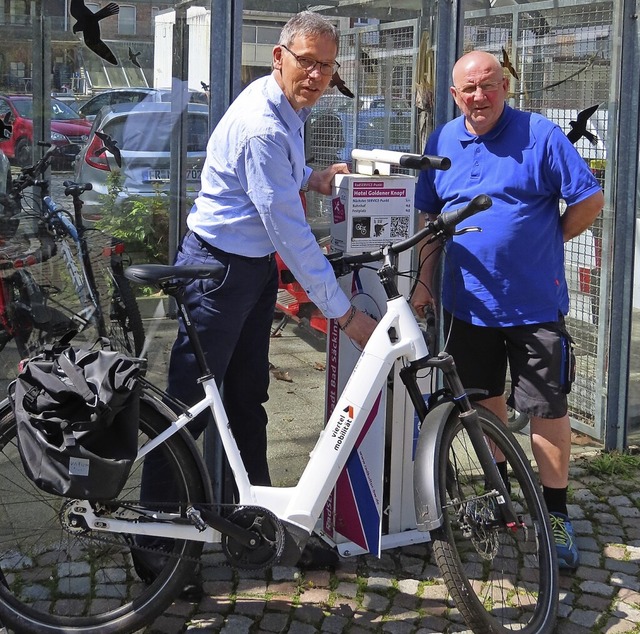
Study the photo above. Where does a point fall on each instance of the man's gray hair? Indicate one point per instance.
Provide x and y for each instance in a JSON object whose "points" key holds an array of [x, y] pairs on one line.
{"points": [[306, 24]]}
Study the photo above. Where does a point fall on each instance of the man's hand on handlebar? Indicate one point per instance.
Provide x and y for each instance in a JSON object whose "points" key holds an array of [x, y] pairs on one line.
{"points": [[359, 326], [422, 300]]}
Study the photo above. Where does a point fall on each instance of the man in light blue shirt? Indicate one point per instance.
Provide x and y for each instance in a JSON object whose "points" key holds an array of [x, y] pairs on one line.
{"points": [[249, 207]]}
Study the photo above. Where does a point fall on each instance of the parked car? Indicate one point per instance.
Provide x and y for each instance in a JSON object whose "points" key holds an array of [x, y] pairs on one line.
{"points": [[92, 106], [142, 132], [68, 129]]}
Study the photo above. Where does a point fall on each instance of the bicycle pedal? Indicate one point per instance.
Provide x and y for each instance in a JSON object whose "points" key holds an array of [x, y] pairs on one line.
{"points": [[196, 519]]}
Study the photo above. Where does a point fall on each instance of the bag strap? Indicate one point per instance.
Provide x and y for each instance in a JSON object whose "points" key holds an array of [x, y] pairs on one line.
{"points": [[79, 382]]}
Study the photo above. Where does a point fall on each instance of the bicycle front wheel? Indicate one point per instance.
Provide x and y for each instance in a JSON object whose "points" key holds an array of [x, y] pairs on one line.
{"points": [[501, 579], [59, 576]]}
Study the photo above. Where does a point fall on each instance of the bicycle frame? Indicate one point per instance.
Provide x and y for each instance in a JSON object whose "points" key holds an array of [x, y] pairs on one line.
{"points": [[83, 282], [302, 504], [397, 336]]}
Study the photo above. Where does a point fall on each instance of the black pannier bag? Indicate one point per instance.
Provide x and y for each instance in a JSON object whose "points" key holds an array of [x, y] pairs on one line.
{"points": [[77, 421]]}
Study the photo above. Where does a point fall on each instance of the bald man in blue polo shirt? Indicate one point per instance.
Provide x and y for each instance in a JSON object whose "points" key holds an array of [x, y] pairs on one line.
{"points": [[504, 292]]}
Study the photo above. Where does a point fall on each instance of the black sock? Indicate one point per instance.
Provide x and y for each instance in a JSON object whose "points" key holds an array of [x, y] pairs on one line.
{"points": [[556, 500]]}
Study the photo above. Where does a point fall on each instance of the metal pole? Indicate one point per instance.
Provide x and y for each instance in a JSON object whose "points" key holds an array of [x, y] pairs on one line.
{"points": [[225, 61], [179, 119], [625, 202], [224, 85], [449, 24], [41, 78]]}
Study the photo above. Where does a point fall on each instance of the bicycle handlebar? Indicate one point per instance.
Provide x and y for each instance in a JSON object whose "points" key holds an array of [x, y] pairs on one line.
{"points": [[444, 224], [28, 174], [74, 189], [403, 159]]}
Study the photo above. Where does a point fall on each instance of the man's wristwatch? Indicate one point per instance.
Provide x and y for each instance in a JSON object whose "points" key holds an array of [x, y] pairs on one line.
{"points": [[305, 187]]}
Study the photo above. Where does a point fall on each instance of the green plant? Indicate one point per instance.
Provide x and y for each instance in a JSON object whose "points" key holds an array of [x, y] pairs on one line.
{"points": [[613, 463], [142, 223]]}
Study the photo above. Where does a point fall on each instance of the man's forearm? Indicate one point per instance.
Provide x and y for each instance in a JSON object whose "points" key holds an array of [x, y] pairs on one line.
{"points": [[580, 216]]}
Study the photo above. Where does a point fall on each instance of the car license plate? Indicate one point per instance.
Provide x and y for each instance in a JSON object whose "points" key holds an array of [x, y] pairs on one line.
{"points": [[163, 175]]}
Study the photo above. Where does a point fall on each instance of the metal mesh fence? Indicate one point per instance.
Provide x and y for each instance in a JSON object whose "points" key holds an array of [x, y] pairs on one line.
{"points": [[378, 68], [557, 56]]}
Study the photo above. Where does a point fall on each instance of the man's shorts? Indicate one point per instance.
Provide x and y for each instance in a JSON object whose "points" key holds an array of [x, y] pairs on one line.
{"points": [[540, 359]]}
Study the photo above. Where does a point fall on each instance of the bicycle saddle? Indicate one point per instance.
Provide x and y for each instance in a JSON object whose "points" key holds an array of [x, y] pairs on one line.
{"points": [[158, 273]]}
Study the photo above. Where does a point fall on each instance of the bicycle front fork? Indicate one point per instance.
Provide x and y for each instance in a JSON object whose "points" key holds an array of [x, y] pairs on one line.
{"points": [[469, 419]]}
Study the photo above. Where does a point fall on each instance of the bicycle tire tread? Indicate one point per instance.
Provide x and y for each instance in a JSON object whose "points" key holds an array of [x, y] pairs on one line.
{"points": [[478, 609], [140, 604]]}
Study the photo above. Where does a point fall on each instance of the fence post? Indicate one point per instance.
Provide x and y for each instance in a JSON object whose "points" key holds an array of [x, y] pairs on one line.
{"points": [[625, 203]]}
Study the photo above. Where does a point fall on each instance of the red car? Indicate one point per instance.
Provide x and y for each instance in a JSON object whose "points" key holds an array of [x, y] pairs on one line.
{"points": [[68, 130]]}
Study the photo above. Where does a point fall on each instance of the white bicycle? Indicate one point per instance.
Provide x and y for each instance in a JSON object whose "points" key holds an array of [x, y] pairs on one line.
{"points": [[66, 565]]}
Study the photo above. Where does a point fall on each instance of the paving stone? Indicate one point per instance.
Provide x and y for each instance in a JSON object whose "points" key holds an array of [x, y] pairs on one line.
{"points": [[380, 582], [334, 624], [627, 612], [585, 618], [296, 627], [273, 622], [595, 587], [347, 590], [618, 626], [236, 624], [375, 602], [628, 567], [397, 627], [315, 595], [308, 613]]}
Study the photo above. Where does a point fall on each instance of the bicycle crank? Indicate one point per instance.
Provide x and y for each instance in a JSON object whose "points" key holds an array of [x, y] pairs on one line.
{"points": [[265, 550]]}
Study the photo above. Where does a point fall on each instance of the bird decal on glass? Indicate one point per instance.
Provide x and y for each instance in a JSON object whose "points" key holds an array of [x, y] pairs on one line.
{"points": [[338, 82], [579, 127], [110, 145], [88, 23], [506, 63], [133, 58], [6, 126]]}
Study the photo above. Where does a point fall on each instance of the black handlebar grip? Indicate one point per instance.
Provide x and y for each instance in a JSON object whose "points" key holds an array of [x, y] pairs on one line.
{"points": [[424, 162], [449, 219]]}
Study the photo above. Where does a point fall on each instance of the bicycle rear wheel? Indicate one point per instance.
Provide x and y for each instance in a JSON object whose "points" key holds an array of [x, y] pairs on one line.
{"points": [[126, 331], [501, 580], [57, 575], [36, 323]]}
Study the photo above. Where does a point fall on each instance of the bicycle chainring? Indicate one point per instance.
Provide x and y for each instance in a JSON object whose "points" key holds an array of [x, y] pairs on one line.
{"points": [[270, 539]]}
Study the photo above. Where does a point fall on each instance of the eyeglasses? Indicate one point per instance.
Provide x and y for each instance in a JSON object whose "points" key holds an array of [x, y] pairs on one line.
{"points": [[485, 88], [307, 64]]}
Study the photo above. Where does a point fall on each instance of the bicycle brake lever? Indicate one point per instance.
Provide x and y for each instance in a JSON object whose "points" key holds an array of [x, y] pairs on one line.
{"points": [[467, 230]]}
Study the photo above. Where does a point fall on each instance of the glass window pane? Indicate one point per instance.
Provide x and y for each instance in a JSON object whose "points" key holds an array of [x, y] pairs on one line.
{"points": [[127, 20]]}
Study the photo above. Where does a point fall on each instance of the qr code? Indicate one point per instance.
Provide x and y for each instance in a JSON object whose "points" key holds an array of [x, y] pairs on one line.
{"points": [[399, 227]]}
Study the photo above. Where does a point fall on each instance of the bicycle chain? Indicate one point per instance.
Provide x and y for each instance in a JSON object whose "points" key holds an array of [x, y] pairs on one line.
{"points": [[96, 535]]}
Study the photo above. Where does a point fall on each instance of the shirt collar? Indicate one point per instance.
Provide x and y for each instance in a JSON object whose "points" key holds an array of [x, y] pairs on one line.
{"points": [[294, 119], [465, 136]]}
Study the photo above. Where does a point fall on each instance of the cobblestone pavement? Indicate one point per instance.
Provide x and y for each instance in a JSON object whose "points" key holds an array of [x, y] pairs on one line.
{"points": [[365, 594], [397, 594]]}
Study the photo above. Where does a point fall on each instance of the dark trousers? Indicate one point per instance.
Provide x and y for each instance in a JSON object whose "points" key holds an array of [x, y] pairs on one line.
{"points": [[233, 313]]}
